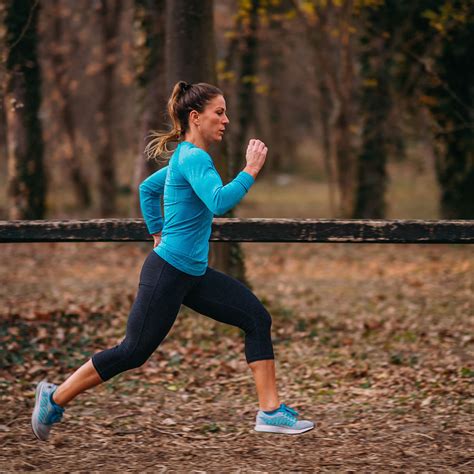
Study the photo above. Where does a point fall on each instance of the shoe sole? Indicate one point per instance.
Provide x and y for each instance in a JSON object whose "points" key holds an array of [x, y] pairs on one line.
{"points": [[280, 429], [34, 417]]}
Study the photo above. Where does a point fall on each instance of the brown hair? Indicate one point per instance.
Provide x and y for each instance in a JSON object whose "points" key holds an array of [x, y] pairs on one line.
{"points": [[184, 98]]}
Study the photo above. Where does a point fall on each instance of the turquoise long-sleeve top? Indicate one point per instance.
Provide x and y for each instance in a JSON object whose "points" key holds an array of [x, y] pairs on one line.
{"points": [[192, 193]]}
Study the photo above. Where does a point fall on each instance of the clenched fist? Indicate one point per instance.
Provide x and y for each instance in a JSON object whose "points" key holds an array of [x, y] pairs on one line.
{"points": [[256, 155]]}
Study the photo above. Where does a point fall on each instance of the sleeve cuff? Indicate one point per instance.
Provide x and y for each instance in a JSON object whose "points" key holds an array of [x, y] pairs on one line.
{"points": [[245, 179], [155, 227]]}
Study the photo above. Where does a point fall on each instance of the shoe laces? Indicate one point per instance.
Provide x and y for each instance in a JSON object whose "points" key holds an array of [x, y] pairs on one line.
{"points": [[55, 415], [289, 410]]}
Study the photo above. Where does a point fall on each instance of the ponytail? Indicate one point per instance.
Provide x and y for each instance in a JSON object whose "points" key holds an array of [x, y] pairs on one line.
{"points": [[184, 98]]}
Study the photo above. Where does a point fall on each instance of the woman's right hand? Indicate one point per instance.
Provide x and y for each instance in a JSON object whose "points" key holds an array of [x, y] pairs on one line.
{"points": [[256, 155], [156, 239]]}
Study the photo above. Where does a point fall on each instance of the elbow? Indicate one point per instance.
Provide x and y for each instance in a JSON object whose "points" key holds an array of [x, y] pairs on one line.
{"points": [[148, 189], [144, 191], [220, 210]]}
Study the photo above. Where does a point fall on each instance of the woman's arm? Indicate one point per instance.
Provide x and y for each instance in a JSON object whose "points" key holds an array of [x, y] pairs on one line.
{"points": [[199, 170], [151, 191]]}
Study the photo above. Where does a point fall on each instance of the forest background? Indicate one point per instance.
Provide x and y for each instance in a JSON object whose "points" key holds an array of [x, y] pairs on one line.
{"points": [[366, 98], [367, 110]]}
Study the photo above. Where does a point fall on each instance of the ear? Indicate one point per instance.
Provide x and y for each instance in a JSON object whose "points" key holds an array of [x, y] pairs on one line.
{"points": [[194, 117]]}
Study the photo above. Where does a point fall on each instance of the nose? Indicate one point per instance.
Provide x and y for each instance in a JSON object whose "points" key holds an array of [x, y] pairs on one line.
{"points": [[226, 120]]}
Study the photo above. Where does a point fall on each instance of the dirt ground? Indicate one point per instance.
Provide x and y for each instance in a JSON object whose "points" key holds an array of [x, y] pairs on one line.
{"points": [[375, 343]]}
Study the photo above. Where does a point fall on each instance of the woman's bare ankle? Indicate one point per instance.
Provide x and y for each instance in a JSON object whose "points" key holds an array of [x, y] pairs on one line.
{"points": [[269, 407], [57, 399]]}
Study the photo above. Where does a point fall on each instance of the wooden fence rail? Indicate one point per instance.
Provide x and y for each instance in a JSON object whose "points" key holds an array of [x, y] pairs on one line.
{"points": [[250, 230]]}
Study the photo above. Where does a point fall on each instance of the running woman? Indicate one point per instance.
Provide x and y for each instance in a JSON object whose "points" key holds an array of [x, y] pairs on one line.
{"points": [[176, 271]]}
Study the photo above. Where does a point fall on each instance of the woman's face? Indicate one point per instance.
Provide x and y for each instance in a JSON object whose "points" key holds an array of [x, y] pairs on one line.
{"points": [[213, 120]]}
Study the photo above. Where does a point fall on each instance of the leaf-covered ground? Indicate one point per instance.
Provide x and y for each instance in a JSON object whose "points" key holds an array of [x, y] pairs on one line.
{"points": [[375, 343]]}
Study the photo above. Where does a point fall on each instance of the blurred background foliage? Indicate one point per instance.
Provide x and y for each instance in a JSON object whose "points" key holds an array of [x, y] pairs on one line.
{"points": [[366, 105]]}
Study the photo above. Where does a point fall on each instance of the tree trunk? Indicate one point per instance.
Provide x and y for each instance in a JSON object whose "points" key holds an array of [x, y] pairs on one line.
{"points": [[343, 135], [325, 108], [247, 70], [453, 109], [455, 173], [375, 108], [59, 64], [190, 28], [109, 11], [322, 52], [279, 139], [26, 172], [3, 117], [151, 79]]}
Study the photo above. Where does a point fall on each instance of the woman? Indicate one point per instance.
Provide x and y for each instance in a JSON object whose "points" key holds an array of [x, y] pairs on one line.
{"points": [[176, 271]]}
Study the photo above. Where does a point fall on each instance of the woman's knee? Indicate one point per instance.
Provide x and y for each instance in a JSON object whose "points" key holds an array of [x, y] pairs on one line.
{"points": [[134, 360], [259, 320], [123, 357], [266, 319], [116, 360]]}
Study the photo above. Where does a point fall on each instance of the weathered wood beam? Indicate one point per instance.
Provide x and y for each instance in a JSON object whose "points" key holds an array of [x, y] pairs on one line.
{"points": [[249, 230]]}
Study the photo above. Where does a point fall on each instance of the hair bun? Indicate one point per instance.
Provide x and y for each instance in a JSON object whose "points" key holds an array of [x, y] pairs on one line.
{"points": [[185, 86]]}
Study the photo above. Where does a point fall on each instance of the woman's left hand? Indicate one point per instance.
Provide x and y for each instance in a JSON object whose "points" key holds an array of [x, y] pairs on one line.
{"points": [[156, 238]]}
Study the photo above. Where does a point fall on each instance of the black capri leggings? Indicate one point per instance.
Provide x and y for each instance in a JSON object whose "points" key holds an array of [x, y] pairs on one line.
{"points": [[161, 291]]}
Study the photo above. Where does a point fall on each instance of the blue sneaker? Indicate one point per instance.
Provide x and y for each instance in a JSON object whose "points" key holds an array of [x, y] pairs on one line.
{"points": [[46, 412], [283, 420]]}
